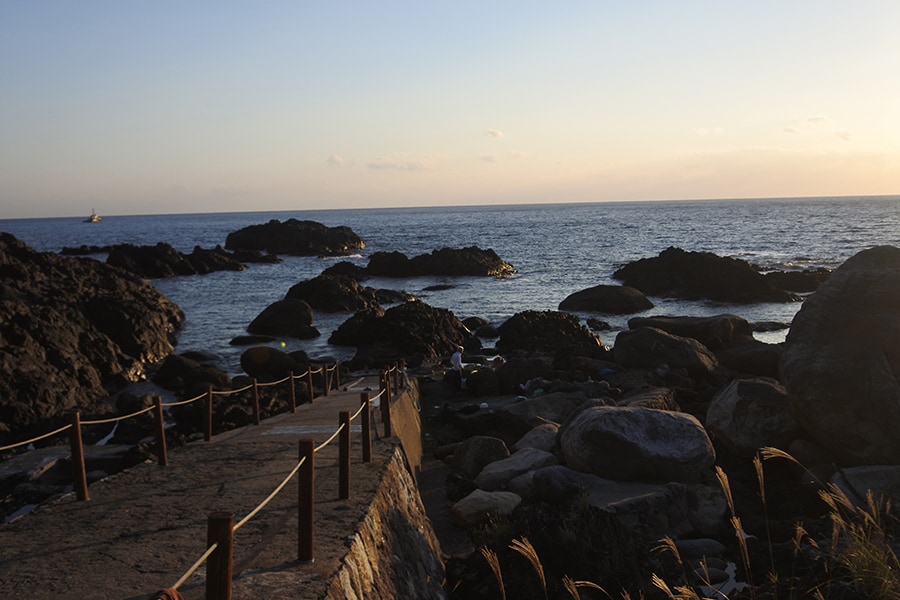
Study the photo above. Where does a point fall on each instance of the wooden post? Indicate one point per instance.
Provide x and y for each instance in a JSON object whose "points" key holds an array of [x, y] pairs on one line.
{"points": [[255, 402], [293, 392], [325, 378], [309, 383], [162, 456], [395, 377], [344, 456], [366, 416], [219, 529], [337, 375], [386, 404], [207, 425], [306, 502], [79, 474]]}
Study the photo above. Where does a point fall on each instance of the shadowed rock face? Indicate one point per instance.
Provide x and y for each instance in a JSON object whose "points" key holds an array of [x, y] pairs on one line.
{"points": [[470, 261], [841, 360], [677, 273], [72, 330], [296, 238]]}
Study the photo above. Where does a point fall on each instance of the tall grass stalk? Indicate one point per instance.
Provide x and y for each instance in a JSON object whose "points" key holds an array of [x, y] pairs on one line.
{"points": [[494, 563], [524, 547]]}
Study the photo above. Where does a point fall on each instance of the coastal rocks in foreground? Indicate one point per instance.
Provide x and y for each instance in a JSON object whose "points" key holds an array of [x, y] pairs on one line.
{"points": [[470, 261], [288, 317], [162, 260], [296, 238], [677, 273], [842, 358], [73, 330], [342, 293]]}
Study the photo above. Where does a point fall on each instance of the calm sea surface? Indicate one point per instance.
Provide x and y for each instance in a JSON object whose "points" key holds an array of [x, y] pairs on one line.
{"points": [[558, 249]]}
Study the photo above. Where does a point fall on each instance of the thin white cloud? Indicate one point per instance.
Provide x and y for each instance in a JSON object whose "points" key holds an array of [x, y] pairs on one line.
{"points": [[336, 160], [490, 158], [386, 163], [817, 120], [844, 135], [494, 133]]}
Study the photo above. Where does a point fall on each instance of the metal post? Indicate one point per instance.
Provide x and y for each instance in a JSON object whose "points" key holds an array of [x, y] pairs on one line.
{"points": [[366, 416], [207, 426], [79, 474], [219, 530], [255, 402], [386, 404], [344, 456], [306, 502], [162, 456], [293, 392]]}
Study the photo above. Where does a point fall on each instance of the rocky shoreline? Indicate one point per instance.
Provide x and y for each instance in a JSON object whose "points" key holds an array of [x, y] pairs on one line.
{"points": [[592, 454]]}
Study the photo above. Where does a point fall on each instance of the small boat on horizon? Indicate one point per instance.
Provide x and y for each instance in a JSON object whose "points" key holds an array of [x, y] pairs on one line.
{"points": [[94, 218]]}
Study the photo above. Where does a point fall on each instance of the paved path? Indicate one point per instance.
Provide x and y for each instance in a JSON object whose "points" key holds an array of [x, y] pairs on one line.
{"points": [[143, 528]]}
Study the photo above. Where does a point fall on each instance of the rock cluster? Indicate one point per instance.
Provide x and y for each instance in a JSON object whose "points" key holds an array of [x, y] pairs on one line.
{"points": [[296, 238], [73, 330]]}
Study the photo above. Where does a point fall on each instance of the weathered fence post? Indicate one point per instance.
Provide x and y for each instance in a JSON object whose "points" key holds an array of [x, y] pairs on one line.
{"points": [[344, 456], [306, 501], [325, 379], [293, 392], [79, 474], [386, 403], [255, 402], [366, 416], [337, 375], [207, 425], [162, 456], [395, 377], [309, 383], [219, 530]]}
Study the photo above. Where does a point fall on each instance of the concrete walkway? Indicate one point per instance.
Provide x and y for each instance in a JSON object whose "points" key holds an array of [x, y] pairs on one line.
{"points": [[142, 529]]}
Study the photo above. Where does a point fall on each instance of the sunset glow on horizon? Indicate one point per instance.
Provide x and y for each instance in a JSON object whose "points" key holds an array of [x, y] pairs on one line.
{"points": [[153, 108]]}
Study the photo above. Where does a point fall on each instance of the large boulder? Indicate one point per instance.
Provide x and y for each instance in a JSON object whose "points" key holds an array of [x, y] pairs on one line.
{"points": [[648, 347], [498, 474], [607, 299], [409, 329], [73, 330], [749, 414], [842, 356], [637, 444], [333, 293], [296, 238], [548, 332], [270, 364], [716, 333], [678, 273], [287, 317], [470, 261]]}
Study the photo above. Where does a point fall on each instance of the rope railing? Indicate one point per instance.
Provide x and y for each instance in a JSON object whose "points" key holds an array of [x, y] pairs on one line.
{"points": [[308, 451], [117, 419], [218, 580]]}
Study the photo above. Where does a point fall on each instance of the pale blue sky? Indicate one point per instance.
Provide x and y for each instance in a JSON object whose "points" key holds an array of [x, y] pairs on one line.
{"points": [[144, 107]]}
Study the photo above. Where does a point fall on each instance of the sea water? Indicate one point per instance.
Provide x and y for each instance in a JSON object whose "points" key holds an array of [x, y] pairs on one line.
{"points": [[557, 249]]}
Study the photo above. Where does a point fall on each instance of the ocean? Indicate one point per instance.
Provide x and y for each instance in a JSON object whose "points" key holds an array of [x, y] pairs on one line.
{"points": [[557, 249]]}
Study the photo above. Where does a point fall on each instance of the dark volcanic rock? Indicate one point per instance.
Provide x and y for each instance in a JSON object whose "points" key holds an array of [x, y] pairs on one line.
{"points": [[842, 358], [470, 261], [154, 262], [807, 280], [71, 331], [607, 299], [296, 238], [548, 332], [677, 273], [208, 261], [716, 333], [288, 317], [647, 347], [409, 329], [333, 293]]}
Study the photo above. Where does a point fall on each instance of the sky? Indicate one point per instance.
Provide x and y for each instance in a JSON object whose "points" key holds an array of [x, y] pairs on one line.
{"points": [[144, 107]]}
